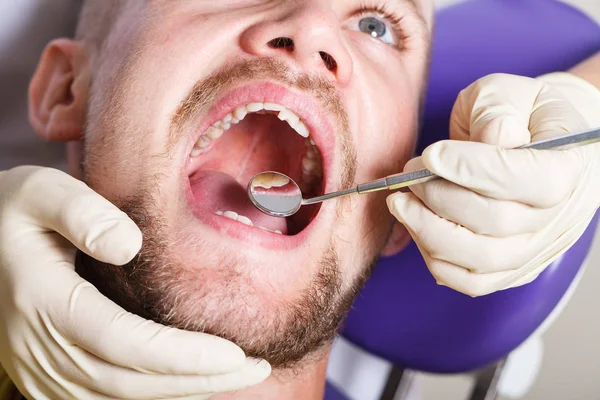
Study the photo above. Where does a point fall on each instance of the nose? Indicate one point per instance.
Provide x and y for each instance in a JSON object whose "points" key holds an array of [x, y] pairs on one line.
{"points": [[309, 34]]}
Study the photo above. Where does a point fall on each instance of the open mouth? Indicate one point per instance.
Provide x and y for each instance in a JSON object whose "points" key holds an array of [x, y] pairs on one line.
{"points": [[253, 137]]}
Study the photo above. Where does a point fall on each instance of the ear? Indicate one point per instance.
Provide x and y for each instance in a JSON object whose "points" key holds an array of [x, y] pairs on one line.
{"points": [[398, 240], [58, 92]]}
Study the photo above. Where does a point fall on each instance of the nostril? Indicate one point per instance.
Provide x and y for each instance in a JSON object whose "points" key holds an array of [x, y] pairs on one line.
{"points": [[281, 43], [329, 61], [288, 44]]}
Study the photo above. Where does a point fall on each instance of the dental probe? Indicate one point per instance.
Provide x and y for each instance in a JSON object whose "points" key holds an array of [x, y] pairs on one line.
{"points": [[278, 195]]}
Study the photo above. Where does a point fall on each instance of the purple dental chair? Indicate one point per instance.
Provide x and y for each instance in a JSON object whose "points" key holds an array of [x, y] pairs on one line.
{"points": [[402, 316]]}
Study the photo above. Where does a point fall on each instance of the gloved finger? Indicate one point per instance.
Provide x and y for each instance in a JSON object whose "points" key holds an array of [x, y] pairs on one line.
{"points": [[470, 283], [553, 115], [446, 241], [67, 390], [71, 208], [539, 178], [39, 385], [462, 280], [580, 93], [474, 119], [123, 383], [106, 330], [521, 281], [486, 112], [46, 381], [479, 214]]}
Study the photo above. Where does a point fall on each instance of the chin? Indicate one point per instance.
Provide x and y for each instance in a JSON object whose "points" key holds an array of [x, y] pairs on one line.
{"points": [[212, 262], [264, 309]]}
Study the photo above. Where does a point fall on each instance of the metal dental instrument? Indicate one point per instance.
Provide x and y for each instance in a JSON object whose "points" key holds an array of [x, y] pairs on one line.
{"points": [[278, 195]]}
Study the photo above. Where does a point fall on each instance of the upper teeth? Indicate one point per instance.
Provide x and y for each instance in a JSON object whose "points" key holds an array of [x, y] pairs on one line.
{"points": [[312, 168], [218, 128], [268, 181]]}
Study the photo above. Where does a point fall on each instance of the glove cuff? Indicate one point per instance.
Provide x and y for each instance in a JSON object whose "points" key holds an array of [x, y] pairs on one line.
{"points": [[584, 96]]}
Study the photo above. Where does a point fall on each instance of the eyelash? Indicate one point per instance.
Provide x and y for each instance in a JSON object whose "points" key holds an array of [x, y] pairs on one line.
{"points": [[384, 12]]}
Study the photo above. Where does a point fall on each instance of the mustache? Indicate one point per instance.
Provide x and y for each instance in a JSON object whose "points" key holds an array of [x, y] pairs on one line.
{"points": [[207, 92]]}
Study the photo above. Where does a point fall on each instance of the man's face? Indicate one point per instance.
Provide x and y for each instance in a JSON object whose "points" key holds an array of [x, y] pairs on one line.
{"points": [[186, 106]]}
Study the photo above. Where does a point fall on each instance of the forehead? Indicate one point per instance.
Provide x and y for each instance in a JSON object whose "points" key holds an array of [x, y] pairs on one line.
{"points": [[423, 9]]}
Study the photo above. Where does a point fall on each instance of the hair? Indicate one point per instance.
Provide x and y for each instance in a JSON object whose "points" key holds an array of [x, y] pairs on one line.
{"points": [[96, 19]]}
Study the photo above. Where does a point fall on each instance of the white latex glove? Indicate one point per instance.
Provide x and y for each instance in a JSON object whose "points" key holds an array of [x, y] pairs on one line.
{"points": [[59, 337], [502, 215]]}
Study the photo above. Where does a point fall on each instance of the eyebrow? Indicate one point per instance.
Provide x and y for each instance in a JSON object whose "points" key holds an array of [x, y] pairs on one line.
{"points": [[413, 5]]}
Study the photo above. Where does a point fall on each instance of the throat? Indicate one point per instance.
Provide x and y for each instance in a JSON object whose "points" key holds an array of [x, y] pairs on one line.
{"points": [[259, 143], [256, 146], [304, 383], [219, 174]]}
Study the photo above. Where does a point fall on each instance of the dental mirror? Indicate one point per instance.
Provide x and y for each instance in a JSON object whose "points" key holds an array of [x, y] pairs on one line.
{"points": [[275, 194], [278, 195]]}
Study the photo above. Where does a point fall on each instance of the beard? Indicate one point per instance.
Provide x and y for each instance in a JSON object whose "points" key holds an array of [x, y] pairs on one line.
{"points": [[217, 295], [222, 301]]}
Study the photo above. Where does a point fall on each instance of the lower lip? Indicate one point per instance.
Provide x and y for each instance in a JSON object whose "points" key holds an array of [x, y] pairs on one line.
{"points": [[266, 92], [245, 233]]}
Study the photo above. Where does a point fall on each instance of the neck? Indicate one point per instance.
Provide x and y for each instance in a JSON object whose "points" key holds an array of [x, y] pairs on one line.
{"points": [[306, 382]]}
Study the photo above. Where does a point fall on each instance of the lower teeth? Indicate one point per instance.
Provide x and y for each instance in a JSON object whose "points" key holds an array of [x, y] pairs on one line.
{"points": [[244, 220]]}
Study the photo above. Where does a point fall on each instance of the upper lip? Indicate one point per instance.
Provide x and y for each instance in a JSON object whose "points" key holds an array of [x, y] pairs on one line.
{"points": [[311, 112], [314, 115]]}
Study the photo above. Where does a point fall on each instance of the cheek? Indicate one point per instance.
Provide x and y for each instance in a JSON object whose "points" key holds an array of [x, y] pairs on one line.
{"points": [[388, 142], [365, 228], [385, 118], [120, 166], [126, 149], [135, 109]]}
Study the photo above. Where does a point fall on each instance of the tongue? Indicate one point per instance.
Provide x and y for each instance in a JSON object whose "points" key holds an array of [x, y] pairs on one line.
{"points": [[217, 191]]}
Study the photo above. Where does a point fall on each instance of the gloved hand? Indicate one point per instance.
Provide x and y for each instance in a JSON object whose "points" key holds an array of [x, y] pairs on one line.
{"points": [[59, 337], [501, 215]]}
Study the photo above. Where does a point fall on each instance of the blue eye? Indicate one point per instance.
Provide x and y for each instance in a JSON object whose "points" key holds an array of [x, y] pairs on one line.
{"points": [[377, 28], [373, 27]]}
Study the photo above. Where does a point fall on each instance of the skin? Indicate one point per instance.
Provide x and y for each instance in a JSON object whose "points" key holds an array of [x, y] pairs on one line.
{"points": [[281, 299], [589, 70]]}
